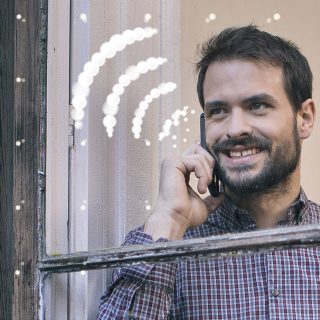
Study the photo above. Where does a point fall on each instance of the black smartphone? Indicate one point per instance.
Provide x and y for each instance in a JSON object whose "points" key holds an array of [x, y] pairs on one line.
{"points": [[214, 186]]}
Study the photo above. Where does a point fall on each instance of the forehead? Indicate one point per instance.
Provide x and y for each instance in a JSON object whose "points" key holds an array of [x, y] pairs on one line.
{"points": [[242, 78]]}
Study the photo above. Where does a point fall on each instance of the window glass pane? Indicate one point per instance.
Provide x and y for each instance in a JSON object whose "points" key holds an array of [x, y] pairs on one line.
{"points": [[109, 183], [74, 295], [116, 173], [116, 153]]}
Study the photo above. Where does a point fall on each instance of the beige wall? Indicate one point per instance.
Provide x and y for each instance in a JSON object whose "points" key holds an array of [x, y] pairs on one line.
{"points": [[299, 21]]}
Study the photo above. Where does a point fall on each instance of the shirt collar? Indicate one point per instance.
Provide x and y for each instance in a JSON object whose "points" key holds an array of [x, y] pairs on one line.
{"points": [[297, 211], [233, 219]]}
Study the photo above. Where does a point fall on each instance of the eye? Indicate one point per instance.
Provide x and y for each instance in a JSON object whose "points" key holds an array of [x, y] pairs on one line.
{"points": [[216, 112], [258, 106]]}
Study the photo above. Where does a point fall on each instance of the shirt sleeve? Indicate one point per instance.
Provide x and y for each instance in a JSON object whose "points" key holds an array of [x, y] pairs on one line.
{"points": [[143, 291]]}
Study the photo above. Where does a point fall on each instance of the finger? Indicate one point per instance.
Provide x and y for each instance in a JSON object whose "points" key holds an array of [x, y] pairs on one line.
{"points": [[197, 149], [195, 162], [202, 155], [201, 168]]}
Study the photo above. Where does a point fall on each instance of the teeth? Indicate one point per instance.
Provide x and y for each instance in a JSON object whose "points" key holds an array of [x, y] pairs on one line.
{"points": [[237, 154]]}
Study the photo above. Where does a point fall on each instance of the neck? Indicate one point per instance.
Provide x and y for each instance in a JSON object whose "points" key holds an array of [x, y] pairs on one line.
{"points": [[271, 206]]}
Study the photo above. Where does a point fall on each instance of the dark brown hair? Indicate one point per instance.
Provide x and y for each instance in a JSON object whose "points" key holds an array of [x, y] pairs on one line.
{"points": [[250, 43]]}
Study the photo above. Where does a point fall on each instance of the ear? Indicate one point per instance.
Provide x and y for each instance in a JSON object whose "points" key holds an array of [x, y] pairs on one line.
{"points": [[305, 118]]}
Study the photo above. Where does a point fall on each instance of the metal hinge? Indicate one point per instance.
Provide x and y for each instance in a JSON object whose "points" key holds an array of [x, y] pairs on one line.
{"points": [[71, 133], [41, 181]]}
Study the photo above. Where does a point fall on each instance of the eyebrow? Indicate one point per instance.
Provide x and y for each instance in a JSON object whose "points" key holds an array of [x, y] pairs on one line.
{"points": [[255, 98], [258, 98]]}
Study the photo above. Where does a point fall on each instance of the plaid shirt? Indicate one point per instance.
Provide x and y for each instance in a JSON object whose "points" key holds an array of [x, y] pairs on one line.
{"points": [[274, 285]]}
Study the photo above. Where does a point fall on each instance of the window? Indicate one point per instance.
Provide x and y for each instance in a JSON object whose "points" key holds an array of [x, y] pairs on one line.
{"points": [[92, 197]]}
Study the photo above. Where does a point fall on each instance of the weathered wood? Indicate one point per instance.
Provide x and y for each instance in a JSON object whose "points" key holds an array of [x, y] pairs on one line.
{"points": [[7, 15], [228, 244], [29, 92]]}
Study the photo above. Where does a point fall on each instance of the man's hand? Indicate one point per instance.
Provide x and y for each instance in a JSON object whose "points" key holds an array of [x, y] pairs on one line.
{"points": [[179, 207]]}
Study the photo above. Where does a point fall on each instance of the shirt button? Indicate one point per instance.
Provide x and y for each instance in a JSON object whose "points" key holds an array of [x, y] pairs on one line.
{"points": [[275, 292]]}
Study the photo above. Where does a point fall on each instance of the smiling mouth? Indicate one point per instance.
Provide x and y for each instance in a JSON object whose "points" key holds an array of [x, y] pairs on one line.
{"points": [[236, 154]]}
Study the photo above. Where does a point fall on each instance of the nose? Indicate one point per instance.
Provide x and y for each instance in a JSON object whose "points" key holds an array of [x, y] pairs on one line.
{"points": [[238, 124]]}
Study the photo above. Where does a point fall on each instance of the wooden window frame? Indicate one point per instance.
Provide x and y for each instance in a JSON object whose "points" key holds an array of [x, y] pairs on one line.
{"points": [[25, 264], [22, 89]]}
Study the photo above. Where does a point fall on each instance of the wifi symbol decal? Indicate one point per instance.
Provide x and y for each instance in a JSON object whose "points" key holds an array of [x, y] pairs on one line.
{"points": [[81, 89], [173, 120], [108, 50], [155, 93], [111, 106]]}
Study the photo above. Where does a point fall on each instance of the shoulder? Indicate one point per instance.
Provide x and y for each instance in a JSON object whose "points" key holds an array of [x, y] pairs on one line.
{"points": [[314, 207], [207, 229], [311, 214]]}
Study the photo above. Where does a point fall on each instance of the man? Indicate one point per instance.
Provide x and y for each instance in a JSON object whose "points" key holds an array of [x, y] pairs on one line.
{"points": [[256, 93]]}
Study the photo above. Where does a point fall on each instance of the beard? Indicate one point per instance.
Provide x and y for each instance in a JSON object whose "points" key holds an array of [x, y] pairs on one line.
{"points": [[283, 160]]}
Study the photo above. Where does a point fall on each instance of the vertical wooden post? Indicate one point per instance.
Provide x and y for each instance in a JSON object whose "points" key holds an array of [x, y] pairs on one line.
{"points": [[6, 156], [29, 90], [22, 98]]}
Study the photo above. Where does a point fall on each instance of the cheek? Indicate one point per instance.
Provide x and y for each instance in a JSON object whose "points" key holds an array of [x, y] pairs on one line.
{"points": [[213, 134], [275, 130]]}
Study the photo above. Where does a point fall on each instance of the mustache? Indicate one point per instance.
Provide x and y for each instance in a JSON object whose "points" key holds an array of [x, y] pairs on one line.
{"points": [[249, 142]]}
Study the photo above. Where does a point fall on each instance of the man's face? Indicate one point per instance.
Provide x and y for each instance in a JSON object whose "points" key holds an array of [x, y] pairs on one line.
{"points": [[250, 125]]}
